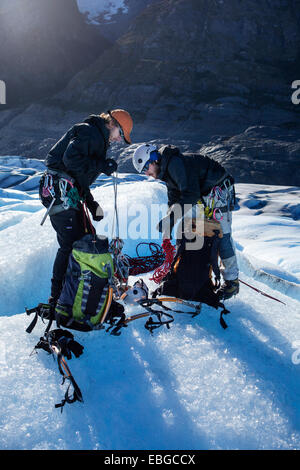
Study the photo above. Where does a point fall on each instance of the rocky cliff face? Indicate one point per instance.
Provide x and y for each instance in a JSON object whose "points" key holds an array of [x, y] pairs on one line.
{"points": [[179, 54], [43, 44], [216, 74]]}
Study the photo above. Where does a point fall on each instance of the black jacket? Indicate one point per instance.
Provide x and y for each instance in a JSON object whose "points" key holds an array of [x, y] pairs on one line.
{"points": [[188, 176], [81, 153]]}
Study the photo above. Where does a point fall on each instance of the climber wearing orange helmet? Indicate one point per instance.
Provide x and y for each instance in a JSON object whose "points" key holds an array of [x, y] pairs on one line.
{"points": [[77, 159]]}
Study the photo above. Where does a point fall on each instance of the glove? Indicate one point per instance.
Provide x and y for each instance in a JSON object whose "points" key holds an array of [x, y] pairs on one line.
{"points": [[69, 346], [110, 166], [96, 210], [66, 342]]}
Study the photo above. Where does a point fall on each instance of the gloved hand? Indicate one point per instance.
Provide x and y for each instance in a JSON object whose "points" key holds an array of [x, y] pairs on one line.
{"points": [[69, 346], [110, 166], [96, 210], [66, 342]]}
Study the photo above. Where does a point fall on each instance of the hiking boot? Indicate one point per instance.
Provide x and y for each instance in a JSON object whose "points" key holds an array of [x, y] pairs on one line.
{"points": [[229, 289]]}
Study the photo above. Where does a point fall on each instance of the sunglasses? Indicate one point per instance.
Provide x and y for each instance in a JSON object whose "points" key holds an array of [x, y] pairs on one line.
{"points": [[146, 166], [119, 127], [154, 158]]}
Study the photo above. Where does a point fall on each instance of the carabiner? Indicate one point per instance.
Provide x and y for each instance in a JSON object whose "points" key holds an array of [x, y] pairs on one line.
{"points": [[217, 211]]}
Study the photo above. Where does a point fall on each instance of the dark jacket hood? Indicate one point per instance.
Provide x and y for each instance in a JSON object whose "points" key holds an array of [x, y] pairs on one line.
{"points": [[166, 152], [98, 122]]}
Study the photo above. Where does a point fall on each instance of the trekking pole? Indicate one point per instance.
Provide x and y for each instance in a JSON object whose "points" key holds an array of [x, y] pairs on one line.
{"points": [[261, 292]]}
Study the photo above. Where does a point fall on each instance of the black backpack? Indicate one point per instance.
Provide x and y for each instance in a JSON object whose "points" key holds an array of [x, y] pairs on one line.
{"points": [[195, 275]]}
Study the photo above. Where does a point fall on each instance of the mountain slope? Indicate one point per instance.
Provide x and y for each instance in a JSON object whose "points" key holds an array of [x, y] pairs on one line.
{"points": [[178, 54]]}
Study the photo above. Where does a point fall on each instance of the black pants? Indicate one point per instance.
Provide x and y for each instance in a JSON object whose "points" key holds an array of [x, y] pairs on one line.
{"points": [[69, 226]]}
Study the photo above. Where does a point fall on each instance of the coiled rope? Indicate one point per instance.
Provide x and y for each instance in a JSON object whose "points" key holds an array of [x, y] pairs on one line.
{"points": [[160, 259], [162, 271]]}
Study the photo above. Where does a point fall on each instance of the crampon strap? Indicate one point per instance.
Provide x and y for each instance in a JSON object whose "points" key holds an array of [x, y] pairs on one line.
{"points": [[45, 311], [163, 318], [51, 346], [65, 372], [223, 312]]}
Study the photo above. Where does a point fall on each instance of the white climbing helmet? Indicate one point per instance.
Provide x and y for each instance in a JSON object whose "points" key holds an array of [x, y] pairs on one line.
{"points": [[136, 293], [142, 155]]}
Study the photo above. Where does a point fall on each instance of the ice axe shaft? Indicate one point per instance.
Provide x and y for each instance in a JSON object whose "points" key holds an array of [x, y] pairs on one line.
{"points": [[48, 210], [261, 292]]}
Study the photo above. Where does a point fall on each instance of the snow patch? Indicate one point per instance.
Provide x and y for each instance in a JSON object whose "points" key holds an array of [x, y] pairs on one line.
{"points": [[107, 8], [201, 386]]}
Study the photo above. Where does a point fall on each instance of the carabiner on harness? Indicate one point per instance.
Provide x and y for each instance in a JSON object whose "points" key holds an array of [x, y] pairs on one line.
{"points": [[63, 184]]}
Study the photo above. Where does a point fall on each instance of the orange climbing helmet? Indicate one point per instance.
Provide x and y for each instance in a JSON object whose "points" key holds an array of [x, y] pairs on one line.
{"points": [[125, 121]]}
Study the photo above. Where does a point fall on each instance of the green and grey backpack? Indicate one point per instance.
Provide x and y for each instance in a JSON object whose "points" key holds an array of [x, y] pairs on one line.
{"points": [[87, 293]]}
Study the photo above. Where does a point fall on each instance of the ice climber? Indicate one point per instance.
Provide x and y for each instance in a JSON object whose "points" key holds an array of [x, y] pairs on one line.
{"points": [[73, 164], [190, 178]]}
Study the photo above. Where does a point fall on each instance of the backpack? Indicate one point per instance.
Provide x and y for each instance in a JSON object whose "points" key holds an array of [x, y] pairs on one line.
{"points": [[190, 274], [192, 271], [86, 302]]}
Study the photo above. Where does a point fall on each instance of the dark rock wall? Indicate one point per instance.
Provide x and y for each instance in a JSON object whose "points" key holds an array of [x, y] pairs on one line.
{"points": [[214, 74]]}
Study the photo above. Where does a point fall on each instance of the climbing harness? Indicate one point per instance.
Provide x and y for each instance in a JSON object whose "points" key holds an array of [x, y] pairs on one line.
{"points": [[219, 200], [68, 194], [54, 188], [48, 192]]}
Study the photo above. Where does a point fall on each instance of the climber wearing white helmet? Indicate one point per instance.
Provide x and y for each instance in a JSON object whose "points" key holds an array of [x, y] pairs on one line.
{"points": [[190, 178], [144, 156]]}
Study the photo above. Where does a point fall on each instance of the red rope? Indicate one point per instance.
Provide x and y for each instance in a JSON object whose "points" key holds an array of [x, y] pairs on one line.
{"points": [[163, 270], [145, 264]]}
